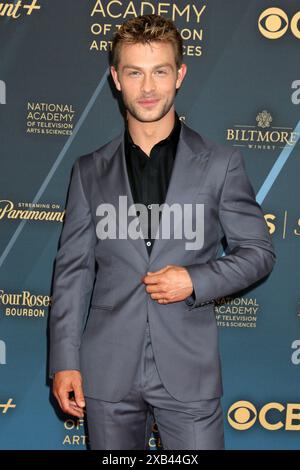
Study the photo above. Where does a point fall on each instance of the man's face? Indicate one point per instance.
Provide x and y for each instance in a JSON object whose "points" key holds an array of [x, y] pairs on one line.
{"points": [[148, 78]]}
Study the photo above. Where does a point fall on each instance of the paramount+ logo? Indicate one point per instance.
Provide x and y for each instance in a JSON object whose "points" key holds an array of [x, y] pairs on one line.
{"points": [[273, 23], [242, 415]]}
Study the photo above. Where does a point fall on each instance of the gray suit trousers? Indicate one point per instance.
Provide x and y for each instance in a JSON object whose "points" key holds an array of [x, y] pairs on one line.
{"points": [[124, 425]]}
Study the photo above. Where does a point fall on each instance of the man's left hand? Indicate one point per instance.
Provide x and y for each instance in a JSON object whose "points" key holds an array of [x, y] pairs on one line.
{"points": [[169, 284]]}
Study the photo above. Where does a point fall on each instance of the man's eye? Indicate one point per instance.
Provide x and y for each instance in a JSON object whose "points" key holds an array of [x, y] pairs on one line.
{"points": [[161, 72], [134, 72]]}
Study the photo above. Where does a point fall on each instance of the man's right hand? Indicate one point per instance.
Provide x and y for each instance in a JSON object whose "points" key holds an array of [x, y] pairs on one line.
{"points": [[64, 382]]}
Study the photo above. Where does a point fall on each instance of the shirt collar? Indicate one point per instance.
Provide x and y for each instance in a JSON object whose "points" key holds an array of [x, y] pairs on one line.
{"points": [[171, 139]]}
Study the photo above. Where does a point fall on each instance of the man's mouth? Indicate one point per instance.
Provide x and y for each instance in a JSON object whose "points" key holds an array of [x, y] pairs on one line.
{"points": [[148, 102]]}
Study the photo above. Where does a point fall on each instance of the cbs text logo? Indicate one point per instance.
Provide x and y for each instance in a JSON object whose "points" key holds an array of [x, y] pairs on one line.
{"points": [[242, 415]]}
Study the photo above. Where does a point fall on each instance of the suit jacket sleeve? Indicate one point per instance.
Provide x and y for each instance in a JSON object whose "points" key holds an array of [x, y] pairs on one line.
{"points": [[73, 278], [251, 254]]}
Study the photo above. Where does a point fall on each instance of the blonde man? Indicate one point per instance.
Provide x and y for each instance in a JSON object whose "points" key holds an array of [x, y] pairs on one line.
{"points": [[149, 345]]}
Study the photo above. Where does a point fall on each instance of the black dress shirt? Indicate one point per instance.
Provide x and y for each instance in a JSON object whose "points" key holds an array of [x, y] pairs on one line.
{"points": [[149, 176]]}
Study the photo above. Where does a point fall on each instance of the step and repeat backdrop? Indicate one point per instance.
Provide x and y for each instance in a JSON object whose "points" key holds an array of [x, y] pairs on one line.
{"points": [[57, 102]]}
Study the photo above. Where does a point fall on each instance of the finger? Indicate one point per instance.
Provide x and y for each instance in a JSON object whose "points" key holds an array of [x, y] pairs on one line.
{"points": [[154, 273], [65, 401], [78, 392], [158, 295], [73, 409], [151, 273], [154, 288], [76, 408], [62, 395], [152, 279], [58, 399]]}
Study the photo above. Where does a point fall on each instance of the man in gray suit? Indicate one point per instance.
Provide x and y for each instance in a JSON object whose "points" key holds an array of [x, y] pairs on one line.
{"points": [[133, 331]]}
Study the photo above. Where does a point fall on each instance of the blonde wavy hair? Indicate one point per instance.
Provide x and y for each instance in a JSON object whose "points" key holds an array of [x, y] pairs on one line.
{"points": [[145, 29]]}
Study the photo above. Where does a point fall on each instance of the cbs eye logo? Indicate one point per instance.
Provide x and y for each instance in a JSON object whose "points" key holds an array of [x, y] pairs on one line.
{"points": [[273, 23], [242, 415]]}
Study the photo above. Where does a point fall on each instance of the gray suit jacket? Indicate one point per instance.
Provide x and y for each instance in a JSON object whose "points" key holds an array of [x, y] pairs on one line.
{"points": [[99, 304]]}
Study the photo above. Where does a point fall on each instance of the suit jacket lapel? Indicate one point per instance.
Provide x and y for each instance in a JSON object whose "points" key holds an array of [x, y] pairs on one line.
{"points": [[114, 182], [185, 183]]}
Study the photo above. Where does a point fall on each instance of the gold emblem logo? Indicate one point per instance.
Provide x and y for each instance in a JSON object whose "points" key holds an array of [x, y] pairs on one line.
{"points": [[264, 119]]}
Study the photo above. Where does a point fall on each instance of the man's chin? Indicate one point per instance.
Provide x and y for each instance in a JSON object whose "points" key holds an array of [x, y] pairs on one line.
{"points": [[148, 115]]}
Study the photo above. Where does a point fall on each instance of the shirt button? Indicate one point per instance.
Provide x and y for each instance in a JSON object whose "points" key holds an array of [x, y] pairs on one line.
{"points": [[148, 243], [149, 206]]}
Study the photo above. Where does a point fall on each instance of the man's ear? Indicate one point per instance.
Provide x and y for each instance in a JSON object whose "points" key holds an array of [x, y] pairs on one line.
{"points": [[180, 75], [114, 74]]}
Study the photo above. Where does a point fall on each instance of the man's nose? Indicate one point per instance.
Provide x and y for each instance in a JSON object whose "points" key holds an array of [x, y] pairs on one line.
{"points": [[148, 83]]}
